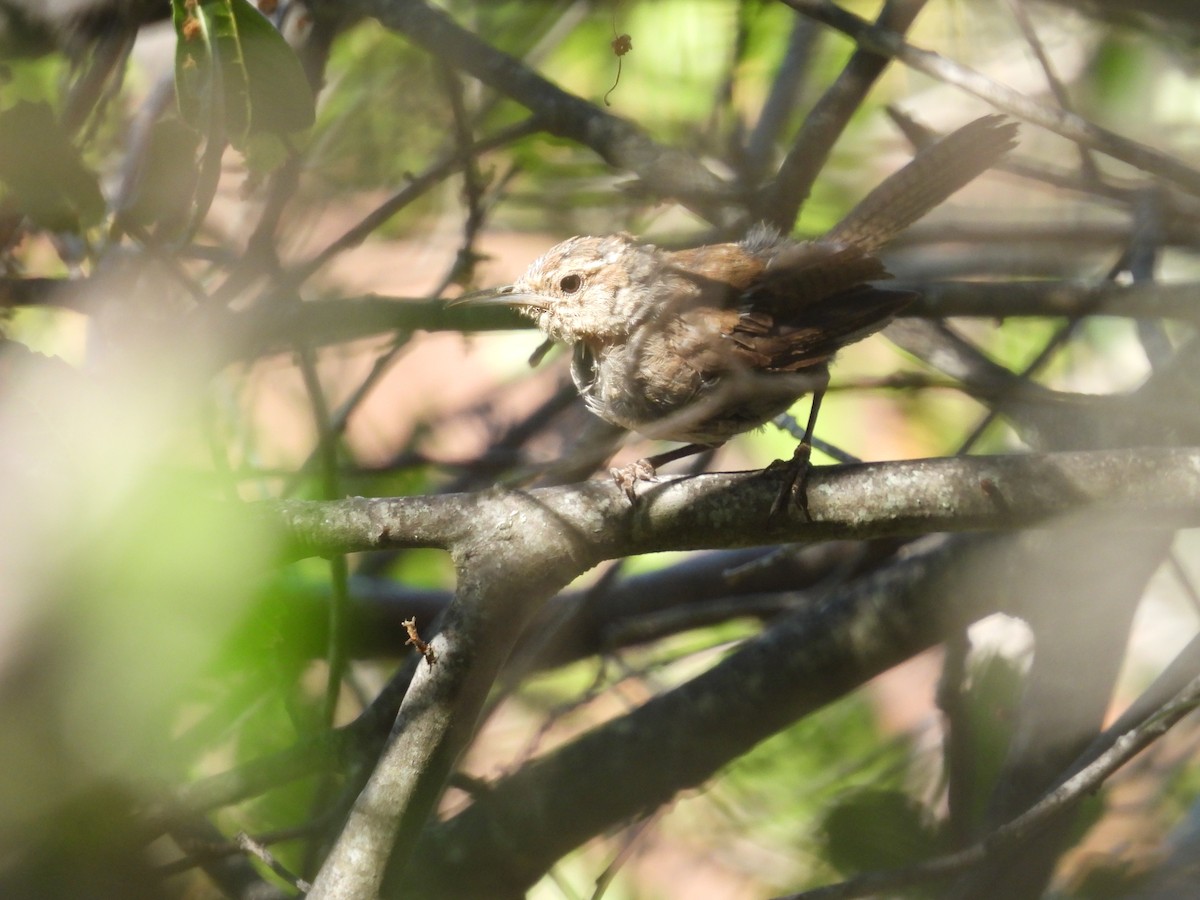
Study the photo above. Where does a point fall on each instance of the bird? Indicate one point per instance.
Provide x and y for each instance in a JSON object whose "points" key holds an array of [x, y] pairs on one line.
{"points": [[699, 345]]}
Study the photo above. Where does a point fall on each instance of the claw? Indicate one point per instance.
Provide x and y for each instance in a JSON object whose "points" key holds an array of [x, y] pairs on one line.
{"points": [[795, 483], [627, 477]]}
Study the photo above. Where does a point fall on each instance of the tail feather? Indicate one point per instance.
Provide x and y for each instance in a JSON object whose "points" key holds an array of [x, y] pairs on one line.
{"points": [[927, 180]]}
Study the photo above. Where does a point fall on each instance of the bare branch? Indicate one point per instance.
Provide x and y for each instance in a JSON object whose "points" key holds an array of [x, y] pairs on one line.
{"points": [[781, 200], [262, 331], [1061, 122], [1150, 487], [680, 738]]}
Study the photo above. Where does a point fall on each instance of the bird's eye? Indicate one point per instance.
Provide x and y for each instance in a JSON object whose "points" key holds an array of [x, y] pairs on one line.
{"points": [[570, 284]]}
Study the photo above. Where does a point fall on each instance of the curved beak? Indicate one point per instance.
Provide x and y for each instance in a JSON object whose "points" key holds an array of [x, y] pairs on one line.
{"points": [[508, 295]]}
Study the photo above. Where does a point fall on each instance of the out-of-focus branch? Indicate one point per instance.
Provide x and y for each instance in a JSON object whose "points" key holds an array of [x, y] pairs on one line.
{"points": [[785, 93], [666, 171], [680, 738], [1063, 798], [939, 299], [258, 331], [579, 623], [781, 200], [1068, 125], [262, 331]]}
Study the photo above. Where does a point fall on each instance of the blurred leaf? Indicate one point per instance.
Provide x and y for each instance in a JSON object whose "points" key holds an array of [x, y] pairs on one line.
{"points": [[1119, 71], [873, 829], [210, 75], [151, 598], [281, 99], [265, 152], [44, 173], [234, 69], [1111, 879], [380, 118], [131, 575], [424, 568], [35, 80], [784, 785], [168, 177], [996, 682]]}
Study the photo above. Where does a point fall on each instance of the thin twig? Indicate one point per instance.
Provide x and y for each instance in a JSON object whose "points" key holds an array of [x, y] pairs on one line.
{"points": [[1057, 88], [781, 200], [667, 171], [786, 90], [410, 192], [1061, 122]]}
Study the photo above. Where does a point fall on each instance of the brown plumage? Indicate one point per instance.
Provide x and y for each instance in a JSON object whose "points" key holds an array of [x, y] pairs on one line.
{"points": [[698, 345]]}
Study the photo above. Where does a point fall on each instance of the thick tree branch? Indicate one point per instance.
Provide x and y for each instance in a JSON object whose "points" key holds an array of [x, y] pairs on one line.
{"points": [[514, 549], [1147, 487], [498, 591], [515, 830], [679, 739]]}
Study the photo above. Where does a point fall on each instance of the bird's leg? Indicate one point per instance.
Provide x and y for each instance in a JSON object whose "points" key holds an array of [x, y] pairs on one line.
{"points": [[798, 468], [536, 357], [643, 470]]}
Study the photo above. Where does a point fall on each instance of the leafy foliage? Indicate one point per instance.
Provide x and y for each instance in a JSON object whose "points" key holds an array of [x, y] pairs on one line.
{"points": [[252, 332], [43, 173], [234, 71]]}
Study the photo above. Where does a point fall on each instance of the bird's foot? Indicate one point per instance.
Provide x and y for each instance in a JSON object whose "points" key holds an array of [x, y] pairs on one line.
{"points": [[795, 482], [627, 477]]}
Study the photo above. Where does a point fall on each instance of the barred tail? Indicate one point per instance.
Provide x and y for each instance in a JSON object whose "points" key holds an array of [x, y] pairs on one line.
{"points": [[929, 178]]}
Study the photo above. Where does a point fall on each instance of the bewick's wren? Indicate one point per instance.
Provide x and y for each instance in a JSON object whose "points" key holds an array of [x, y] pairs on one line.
{"points": [[700, 345]]}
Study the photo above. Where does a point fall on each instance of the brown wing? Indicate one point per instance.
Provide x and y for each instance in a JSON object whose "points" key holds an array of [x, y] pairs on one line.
{"points": [[789, 343], [731, 264], [783, 277], [800, 276], [779, 305], [758, 339], [810, 301], [718, 274]]}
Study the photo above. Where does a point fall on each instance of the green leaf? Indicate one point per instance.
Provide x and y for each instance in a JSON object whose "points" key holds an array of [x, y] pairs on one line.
{"points": [[167, 180], [193, 63], [265, 152], [281, 99], [210, 75], [234, 70], [43, 172], [871, 829]]}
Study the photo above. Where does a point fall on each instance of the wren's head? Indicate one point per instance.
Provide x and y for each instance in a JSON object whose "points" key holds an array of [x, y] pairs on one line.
{"points": [[584, 289]]}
